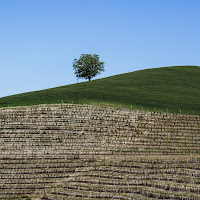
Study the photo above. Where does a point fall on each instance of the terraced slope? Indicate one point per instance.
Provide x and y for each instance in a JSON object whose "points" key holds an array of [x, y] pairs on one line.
{"points": [[171, 88], [92, 152]]}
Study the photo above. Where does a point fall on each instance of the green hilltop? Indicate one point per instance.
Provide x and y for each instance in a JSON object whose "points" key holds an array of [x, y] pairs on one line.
{"points": [[167, 88]]}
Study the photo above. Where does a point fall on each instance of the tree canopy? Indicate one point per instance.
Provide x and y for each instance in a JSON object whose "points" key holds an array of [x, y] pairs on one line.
{"points": [[88, 66]]}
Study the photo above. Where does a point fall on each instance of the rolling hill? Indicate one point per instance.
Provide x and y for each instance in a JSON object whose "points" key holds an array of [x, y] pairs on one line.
{"points": [[166, 88]]}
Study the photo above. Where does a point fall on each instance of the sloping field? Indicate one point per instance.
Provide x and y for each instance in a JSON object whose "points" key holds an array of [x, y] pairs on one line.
{"points": [[67, 151], [171, 88]]}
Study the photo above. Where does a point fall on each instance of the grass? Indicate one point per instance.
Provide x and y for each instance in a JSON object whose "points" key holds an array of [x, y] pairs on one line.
{"points": [[171, 88]]}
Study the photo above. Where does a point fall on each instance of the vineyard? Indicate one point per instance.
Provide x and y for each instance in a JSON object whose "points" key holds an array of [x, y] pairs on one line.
{"points": [[66, 151]]}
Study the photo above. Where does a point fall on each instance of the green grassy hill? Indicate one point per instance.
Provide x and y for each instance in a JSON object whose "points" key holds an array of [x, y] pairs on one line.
{"points": [[174, 88]]}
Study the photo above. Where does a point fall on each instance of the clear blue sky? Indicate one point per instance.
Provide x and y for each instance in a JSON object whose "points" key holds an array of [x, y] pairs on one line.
{"points": [[39, 39]]}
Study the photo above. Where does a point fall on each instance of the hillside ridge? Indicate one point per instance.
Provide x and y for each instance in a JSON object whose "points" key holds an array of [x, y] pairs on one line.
{"points": [[172, 89]]}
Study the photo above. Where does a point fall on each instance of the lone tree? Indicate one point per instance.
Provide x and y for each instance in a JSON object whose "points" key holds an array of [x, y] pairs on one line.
{"points": [[88, 66]]}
